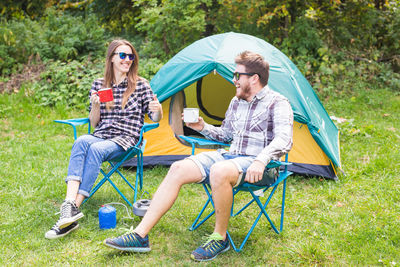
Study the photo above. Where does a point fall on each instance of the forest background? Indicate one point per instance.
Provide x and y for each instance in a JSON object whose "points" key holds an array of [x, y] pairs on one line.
{"points": [[349, 50], [59, 46]]}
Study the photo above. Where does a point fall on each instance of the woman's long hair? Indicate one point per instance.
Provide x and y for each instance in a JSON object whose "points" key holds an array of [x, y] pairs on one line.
{"points": [[132, 74]]}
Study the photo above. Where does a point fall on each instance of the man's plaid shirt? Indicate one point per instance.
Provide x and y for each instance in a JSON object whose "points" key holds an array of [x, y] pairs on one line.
{"points": [[262, 128], [123, 126]]}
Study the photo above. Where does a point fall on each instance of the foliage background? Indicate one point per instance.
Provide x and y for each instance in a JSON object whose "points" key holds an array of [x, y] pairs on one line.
{"points": [[323, 38], [52, 50]]}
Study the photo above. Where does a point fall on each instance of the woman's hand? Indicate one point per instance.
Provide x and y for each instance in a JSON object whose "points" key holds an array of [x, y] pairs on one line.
{"points": [[95, 99], [156, 108], [94, 115]]}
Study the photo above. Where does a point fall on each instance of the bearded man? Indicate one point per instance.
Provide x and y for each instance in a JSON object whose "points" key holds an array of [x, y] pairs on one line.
{"points": [[259, 126]]}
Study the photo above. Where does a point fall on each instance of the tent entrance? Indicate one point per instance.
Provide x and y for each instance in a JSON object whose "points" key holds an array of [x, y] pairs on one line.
{"points": [[211, 95]]}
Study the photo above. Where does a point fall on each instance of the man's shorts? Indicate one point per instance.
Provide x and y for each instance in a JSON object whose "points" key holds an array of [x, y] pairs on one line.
{"points": [[206, 159]]}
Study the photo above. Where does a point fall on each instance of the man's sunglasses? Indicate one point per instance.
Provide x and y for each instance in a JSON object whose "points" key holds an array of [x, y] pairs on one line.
{"points": [[122, 55], [236, 75]]}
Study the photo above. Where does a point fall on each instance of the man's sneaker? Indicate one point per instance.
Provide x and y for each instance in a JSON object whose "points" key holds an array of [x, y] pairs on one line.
{"points": [[211, 248], [129, 242], [56, 232], [69, 213]]}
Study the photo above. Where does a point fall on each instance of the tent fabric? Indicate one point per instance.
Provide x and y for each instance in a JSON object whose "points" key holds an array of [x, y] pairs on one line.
{"points": [[201, 76], [216, 54]]}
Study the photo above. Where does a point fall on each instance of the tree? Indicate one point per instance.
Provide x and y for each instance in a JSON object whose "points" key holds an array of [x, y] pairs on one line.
{"points": [[170, 25]]}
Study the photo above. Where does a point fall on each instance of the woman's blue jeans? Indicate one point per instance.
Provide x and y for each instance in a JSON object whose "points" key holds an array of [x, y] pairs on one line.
{"points": [[87, 155]]}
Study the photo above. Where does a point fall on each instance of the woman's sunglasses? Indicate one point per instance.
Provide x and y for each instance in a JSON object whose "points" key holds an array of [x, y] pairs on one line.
{"points": [[122, 55]]}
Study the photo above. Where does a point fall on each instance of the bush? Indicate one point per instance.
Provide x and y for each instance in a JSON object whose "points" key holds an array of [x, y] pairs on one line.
{"points": [[18, 40], [67, 83], [304, 46], [169, 25], [339, 75], [56, 36], [148, 67]]}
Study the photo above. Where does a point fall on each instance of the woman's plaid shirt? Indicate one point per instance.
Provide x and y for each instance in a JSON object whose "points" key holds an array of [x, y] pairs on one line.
{"points": [[123, 126]]}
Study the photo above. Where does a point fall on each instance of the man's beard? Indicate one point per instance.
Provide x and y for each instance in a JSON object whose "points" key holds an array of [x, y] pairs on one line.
{"points": [[244, 92]]}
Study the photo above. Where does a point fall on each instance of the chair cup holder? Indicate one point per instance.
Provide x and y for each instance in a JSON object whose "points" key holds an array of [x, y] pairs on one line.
{"points": [[140, 207]]}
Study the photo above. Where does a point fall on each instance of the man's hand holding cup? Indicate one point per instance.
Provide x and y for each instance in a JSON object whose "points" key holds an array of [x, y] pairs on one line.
{"points": [[191, 118]]}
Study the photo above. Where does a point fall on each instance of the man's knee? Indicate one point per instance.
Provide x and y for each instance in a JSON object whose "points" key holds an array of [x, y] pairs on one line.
{"points": [[184, 171], [176, 167], [222, 173]]}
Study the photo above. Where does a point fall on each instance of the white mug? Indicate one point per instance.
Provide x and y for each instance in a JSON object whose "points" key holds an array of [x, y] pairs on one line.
{"points": [[191, 115]]}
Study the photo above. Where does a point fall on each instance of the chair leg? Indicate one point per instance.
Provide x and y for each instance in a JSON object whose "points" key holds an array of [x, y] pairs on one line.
{"points": [[263, 211], [107, 178], [139, 175], [256, 199], [98, 185], [283, 205], [140, 167], [243, 208], [139, 178], [120, 193], [196, 225]]}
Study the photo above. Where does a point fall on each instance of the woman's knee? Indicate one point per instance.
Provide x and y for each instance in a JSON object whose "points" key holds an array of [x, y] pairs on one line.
{"points": [[97, 150], [83, 140]]}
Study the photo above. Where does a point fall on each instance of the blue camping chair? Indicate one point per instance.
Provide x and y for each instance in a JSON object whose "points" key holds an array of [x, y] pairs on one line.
{"points": [[254, 190], [115, 163]]}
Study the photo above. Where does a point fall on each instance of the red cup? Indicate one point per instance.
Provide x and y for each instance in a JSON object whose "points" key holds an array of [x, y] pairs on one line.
{"points": [[106, 95]]}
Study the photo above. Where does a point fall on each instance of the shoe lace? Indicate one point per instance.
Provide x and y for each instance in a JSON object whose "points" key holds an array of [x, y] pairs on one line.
{"points": [[212, 237], [128, 235], [66, 209], [55, 226]]}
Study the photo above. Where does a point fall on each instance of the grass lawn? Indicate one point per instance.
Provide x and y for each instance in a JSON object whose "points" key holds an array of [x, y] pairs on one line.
{"points": [[351, 222]]}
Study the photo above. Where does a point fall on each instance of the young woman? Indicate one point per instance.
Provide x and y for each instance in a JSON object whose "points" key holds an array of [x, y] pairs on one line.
{"points": [[116, 125]]}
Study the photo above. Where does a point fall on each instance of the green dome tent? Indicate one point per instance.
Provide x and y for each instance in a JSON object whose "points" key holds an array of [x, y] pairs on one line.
{"points": [[200, 76]]}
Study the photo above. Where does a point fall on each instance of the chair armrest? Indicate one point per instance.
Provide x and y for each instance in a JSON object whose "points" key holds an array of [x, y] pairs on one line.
{"points": [[200, 141], [74, 123], [275, 163], [149, 126], [145, 128]]}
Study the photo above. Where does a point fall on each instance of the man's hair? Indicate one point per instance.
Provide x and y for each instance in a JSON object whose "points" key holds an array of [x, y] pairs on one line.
{"points": [[254, 63]]}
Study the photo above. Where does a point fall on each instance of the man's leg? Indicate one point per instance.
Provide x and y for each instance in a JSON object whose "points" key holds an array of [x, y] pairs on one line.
{"points": [[223, 176], [180, 173]]}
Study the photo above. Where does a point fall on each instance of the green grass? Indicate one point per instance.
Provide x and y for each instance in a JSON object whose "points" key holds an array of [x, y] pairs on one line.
{"points": [[351, 222]]}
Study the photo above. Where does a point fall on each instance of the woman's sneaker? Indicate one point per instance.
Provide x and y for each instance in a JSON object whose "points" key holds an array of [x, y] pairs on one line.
{"points": [[69, 213], [211, 248], [129, 242], [56, 232]]}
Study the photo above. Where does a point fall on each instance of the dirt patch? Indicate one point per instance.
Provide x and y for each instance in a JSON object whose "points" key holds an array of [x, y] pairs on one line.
{"points": [[30, 72]]}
